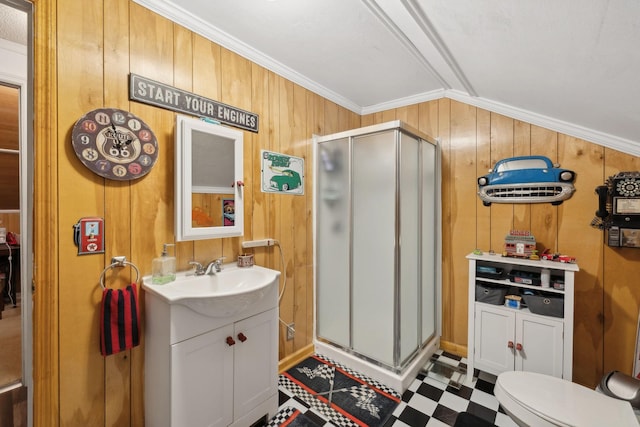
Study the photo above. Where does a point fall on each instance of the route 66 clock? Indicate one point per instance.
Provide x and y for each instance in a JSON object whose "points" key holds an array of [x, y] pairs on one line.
{"points": [[115, 144]]}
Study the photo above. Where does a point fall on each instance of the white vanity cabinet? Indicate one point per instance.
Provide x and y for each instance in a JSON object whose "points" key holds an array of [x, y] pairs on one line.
{"points": [[503, 338], [207, 371]]}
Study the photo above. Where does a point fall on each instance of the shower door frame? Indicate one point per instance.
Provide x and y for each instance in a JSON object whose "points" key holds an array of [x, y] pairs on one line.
{"points": [[399, 128]]}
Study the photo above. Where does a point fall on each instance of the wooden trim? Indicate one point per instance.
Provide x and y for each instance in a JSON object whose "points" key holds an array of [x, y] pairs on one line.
{"points": [[295, 358], [45, 242]]}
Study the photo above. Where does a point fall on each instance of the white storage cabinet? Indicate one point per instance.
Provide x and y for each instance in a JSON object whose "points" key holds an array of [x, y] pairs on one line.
{"points": [[503, 338]]}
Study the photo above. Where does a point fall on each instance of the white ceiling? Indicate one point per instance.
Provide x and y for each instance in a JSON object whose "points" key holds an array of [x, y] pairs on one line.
{"points": [[13, 25], [569, 65]]}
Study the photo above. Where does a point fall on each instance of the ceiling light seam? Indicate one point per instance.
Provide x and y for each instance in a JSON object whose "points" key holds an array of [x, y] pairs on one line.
{"points": [[420, 18], [406, 42]]}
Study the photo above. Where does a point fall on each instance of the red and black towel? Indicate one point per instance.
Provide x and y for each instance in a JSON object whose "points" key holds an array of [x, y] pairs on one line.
{"points": [[119, 325]]}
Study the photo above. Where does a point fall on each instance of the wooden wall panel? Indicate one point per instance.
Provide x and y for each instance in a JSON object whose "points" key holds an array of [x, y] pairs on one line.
{"points": [[9, 120], [463, 163], [118, 371], [577, 238], [544, 217], [81, 194], [10, 221], [483, 164], [620, 270]]}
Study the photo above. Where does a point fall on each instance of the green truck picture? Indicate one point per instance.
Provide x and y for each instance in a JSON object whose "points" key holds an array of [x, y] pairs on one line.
{"points": [[287, 180]]}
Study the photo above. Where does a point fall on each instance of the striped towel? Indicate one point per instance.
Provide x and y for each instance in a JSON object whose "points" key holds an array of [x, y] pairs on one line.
{"points": [[119, 324]]}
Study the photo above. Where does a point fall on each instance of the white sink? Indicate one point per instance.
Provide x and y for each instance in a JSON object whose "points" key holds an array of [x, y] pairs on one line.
{"points": [[221, 294]]}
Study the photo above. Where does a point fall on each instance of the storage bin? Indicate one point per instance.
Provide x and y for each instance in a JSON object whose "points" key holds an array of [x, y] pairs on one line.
{"points": [[490, 294], [489, 272], [524, 277], [545, 305]]}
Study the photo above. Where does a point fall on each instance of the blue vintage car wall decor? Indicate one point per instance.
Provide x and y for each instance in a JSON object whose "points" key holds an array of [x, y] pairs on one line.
{"points": [[526, 179]]}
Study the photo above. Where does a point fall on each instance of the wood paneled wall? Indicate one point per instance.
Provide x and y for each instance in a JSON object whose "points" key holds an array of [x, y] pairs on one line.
{"points": [[9, 140], [83, 57], [607, 292]]}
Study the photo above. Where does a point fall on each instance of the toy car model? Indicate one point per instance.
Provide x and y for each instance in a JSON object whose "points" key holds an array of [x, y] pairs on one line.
{"points": [[287, 180], [526, 179], [566, 258], [548, 256]]}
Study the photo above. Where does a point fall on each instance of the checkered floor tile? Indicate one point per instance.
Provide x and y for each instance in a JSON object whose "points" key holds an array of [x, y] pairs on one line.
{"points": [[429, 402]]}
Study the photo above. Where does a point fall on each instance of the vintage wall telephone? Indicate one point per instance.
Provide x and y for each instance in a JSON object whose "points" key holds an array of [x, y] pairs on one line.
{"points": [[619, 209]]}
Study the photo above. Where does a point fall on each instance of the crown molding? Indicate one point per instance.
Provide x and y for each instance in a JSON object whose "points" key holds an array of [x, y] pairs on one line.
{"points": [[404, 102], [601, 138]]}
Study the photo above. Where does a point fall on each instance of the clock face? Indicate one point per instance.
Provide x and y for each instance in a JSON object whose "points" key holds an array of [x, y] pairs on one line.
{"points": [[115, 144]]}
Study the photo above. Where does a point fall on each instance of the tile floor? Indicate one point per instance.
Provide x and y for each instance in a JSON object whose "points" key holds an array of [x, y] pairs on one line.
{"points": [[431, 403]]}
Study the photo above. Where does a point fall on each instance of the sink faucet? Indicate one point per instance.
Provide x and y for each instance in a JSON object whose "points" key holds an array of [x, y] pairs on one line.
{"points": [[199, 268], [215, 264]]}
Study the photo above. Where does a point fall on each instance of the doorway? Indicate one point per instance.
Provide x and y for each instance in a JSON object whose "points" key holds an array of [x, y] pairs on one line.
{"points": [[16, 204]]}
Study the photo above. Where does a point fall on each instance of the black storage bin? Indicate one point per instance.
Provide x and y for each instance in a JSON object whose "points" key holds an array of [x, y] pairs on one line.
{"points": [[545, 305], [489, 272], [490, 294], [524, 277]]}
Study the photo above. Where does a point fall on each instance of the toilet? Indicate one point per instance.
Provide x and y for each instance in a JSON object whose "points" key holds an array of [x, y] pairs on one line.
{"points": [[538, 400]]}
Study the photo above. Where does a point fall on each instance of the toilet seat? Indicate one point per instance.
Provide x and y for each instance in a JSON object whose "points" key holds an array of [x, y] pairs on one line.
{"points": [[542, 400]]}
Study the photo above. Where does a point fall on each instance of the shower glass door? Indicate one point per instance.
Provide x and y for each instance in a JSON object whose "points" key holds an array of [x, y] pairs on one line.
{"points": [[332, 238], [373, 245]]}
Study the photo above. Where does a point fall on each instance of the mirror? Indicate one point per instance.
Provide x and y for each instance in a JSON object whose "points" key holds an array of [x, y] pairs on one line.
{"points": [[209, 178]]}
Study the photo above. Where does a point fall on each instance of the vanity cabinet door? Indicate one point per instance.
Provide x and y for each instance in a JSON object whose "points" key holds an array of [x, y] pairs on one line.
{"points": [[494, 338], [202, 378], [541, 340], [256, 361]]}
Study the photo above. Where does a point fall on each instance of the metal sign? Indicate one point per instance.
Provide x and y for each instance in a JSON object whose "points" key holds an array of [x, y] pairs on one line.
{"points": [[161, 95], [282, 173]]}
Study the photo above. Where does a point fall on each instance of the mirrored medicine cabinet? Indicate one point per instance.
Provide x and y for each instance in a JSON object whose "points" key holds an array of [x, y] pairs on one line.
{"points": [[209, 180]]}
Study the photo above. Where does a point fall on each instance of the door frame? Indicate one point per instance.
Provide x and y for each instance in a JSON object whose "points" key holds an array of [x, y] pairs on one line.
{"points": [[46, 394]]}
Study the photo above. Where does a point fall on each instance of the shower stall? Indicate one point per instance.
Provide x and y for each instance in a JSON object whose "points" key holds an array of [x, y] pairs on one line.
{"points": [[377, 266]]}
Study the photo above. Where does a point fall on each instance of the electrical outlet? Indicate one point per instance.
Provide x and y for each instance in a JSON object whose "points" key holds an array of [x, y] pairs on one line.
{"points": [[291, 331]]}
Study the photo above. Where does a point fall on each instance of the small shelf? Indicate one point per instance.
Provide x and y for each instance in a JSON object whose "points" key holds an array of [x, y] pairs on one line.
{"points": [[497, 258], [507, 282]]}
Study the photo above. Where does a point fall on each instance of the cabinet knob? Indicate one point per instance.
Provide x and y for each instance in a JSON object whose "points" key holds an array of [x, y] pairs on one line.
{"points": [[510, 344], [230, 341], [242, 337], [519, 347]]}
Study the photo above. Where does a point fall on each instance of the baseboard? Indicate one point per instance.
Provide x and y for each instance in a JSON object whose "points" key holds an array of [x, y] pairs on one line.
{"points": [[295, 358], [457, 349]]}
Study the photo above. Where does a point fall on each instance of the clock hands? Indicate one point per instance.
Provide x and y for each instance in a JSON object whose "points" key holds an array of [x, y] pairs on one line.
{"points": [[117, 143]]}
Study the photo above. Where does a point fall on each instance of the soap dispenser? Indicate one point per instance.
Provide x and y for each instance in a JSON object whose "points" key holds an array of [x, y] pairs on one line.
{"points": [[163, 267]]}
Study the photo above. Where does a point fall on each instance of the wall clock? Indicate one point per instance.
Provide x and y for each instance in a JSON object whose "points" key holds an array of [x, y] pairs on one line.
{"points": [[115, 144]]}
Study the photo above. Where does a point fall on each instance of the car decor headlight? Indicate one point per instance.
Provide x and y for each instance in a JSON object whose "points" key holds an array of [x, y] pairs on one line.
{"points": [[483, 180], [566, 176]]}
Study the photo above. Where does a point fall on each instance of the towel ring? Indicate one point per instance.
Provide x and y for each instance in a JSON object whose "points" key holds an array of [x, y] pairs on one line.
{"points": [[118, 261]]}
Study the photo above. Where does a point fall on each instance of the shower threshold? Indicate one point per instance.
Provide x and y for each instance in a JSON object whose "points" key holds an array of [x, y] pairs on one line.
{"points": [[450, 375]]}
